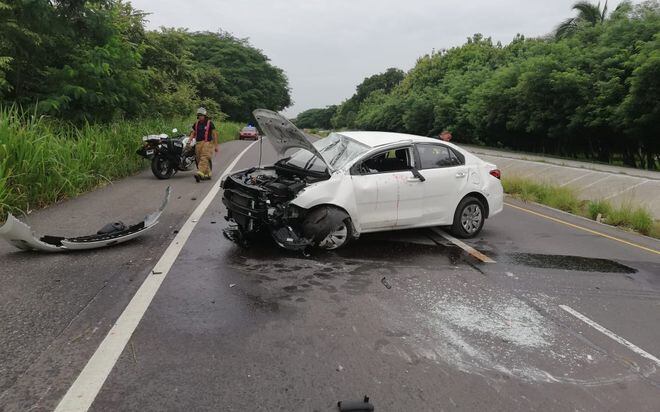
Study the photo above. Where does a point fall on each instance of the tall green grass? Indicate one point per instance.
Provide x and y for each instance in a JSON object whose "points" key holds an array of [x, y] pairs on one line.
{"points": [[43, 161], [626, 215], [562, 198]]}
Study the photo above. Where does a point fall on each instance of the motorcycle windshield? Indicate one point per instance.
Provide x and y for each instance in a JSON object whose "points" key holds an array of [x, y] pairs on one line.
{"points": [[284, 135]]}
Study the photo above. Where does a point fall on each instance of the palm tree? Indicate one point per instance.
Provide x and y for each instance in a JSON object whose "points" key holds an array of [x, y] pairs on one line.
{"points": [[588, 14]]}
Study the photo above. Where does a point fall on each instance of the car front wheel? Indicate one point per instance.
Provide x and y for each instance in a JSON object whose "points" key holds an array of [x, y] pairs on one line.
{"points": [[337, 238], [328, 228], [468, 218]]}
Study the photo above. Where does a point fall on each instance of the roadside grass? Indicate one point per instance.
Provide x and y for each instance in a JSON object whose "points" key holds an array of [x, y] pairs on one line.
{"points": [[43, 161], [627, 215], [228, 131], [561, 198]]}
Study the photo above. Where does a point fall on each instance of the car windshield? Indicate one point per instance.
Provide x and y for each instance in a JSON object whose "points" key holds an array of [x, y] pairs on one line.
{"points": [[337, 150], [249, 129]]}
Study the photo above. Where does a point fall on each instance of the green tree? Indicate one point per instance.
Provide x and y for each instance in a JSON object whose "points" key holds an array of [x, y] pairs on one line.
{"points": [[316, 118], [246, 79], [593, 94], [588, 14], [346, 113], [93, 61]]}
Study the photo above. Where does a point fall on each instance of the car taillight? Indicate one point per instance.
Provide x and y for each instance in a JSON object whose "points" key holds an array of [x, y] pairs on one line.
{"points": [[496, 173]]}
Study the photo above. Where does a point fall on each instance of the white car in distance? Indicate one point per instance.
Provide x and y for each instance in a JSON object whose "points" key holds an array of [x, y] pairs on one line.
{"points": [[349, 183]]}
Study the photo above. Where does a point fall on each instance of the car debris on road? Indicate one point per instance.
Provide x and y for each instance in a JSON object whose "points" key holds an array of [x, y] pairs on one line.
{"points": [[363, 405], [20, 235]]}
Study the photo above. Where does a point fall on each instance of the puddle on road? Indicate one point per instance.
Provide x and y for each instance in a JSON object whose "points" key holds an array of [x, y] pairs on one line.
{"points": [[567, 262]]}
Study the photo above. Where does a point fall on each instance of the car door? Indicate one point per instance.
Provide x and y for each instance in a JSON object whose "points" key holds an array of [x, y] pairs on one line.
{"points": [[446, 179], [382, 192], [375, 198], [410, 206]]}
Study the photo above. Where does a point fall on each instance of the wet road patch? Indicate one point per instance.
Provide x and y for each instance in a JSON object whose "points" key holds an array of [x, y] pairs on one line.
{"points": [[567, 262], [446, 311]]}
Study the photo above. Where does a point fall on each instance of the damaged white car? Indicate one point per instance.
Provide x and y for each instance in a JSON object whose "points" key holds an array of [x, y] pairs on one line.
{"points": [[349, 183]]}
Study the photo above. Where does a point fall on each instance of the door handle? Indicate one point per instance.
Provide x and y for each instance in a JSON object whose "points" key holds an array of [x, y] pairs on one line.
{"points": [[461, 174]]}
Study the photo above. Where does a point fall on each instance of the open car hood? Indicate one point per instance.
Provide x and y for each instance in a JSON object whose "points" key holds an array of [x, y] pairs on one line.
{"points": [[284, 135], [20, 235]]}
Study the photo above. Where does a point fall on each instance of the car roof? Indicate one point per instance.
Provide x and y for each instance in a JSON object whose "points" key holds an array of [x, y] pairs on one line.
{"points": [[375, 139]]}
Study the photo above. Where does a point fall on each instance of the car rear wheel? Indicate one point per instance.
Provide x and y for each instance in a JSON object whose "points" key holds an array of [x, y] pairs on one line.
{"points": [[468, 218]]}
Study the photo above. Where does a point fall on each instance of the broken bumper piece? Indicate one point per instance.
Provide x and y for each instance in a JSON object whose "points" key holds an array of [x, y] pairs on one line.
{"points": [[288, 239], [20, 235]]}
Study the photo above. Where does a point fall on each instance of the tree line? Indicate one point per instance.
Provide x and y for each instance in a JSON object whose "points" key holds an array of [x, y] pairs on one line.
{"points": [[94, 61], [590, 90]]}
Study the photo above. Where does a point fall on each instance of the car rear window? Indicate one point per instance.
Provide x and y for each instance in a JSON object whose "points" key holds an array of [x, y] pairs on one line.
{"points": [[433, 156]]}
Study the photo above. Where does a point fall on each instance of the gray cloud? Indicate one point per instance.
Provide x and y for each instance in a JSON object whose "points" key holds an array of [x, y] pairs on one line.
{"points": [[328, 47]]}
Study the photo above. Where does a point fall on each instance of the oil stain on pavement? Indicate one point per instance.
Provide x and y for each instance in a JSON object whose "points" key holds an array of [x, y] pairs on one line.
{"points": [[576, 263]]}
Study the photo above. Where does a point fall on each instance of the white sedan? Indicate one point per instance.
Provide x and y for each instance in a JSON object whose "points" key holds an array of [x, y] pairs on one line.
{"points": [[350, 183]]}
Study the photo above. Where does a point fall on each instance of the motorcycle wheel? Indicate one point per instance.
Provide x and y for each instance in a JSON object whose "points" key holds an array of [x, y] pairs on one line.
{"points": [[161, 168], [187, 164]]}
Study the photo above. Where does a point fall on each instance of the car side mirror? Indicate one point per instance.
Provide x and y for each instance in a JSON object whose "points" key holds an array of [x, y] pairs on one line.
{"points": [[418, 175]]}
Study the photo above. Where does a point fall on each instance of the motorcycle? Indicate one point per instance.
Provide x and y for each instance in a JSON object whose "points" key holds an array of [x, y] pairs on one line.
{"points": [[168, 155]]}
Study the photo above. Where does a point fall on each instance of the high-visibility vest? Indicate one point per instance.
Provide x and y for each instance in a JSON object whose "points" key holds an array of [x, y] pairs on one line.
{"points": [[206, 132]]}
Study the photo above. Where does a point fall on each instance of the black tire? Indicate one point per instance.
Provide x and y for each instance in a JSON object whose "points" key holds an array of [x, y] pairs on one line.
{"points": [[326, 225], [161, 168], [469, 218]]}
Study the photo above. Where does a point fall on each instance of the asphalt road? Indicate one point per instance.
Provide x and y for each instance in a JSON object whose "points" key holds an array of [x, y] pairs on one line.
{"points": [[407, 318]]}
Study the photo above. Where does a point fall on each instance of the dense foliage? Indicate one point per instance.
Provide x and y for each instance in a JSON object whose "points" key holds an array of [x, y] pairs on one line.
{"points": [[93, 60], [591, 91], [82, 80], [316, 118]]}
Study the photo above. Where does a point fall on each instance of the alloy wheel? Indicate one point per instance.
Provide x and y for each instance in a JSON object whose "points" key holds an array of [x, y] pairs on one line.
{"points": [[336, 238], [471, 218]]}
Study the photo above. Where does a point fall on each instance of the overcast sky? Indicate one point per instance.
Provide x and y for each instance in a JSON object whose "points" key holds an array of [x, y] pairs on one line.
{"points": [[328, 47]]}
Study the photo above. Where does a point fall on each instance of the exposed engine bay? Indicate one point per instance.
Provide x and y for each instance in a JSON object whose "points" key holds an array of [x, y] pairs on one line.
{"points": [[264, 199], [258, 201]]}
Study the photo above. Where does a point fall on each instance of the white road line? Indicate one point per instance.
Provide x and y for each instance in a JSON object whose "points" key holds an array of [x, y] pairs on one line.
{"points": [[469, 249], [610, 334], [576, 179], [538, 172], [625, 190], [84, 389], [596, 181]]}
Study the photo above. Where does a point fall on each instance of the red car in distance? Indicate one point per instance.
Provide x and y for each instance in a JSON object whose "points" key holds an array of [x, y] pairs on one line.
{"points": [[248, 133]]}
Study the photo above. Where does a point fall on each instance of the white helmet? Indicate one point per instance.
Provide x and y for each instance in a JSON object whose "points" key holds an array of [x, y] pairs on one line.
{"points": [[201, 111]]}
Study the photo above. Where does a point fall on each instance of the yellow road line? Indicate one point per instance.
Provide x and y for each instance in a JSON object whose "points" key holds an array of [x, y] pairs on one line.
{"points": [[594, 232]]}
